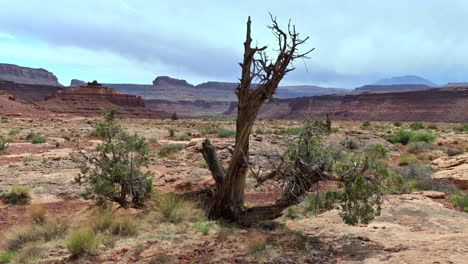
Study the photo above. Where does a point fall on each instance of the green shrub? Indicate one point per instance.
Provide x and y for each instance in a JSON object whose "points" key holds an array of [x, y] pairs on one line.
{"points": [[82, 242], [4, 121], [366, 123], [426, 137], [419, 177], [124, 226], [174, 116], [7, 256], [460, 201], [419, 147], [454, 151], [172, 207], [103, 220], [350, 144], [407, 159], [38, 140], [35, 233], [114, 172], [31, 253], [166, 150], [259, 131], [462, 128], [4, 145], [66, 137], [30, 158], [405, 136], [314, 202], [416, 125], [397, 123], [31, 135], [203, 227], [14, 132], [17, 195], [225, 133], [171, 132], [432, 126], [402, 136]]}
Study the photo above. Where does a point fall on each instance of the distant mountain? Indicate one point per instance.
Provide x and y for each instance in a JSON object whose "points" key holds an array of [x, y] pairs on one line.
{"points": [[390, 88], [307, 90], [25, 75], [407, 79], [171, 89]]}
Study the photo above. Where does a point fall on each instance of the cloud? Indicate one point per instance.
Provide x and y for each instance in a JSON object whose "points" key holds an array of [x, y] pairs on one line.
{"points": [[356, 41], [6, 36]]}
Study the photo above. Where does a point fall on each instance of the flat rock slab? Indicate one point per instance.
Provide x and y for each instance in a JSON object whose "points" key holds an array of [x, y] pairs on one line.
{"points": [[454, 169], [411, 229]]}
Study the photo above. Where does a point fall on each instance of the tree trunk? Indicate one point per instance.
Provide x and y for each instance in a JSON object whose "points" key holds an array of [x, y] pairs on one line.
{"points": [[228, 198]]}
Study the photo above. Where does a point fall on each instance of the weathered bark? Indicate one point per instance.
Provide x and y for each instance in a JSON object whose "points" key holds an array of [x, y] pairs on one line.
{"points": [[228, 198]]}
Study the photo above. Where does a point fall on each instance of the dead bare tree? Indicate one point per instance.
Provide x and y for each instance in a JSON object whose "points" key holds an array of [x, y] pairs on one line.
{"points": [[303, 170], [228, 197]]}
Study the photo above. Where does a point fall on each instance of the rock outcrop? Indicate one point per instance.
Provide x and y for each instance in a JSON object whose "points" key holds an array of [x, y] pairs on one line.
{"points": [[90, 99], [454, 169], [162, 81], [77, 83], [29, 92], [25, 75]]}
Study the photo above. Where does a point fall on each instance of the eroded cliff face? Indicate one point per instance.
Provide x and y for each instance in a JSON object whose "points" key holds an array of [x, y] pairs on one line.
{"points": [[435, 105], [89, 100], [29, 92], [25, 75]]}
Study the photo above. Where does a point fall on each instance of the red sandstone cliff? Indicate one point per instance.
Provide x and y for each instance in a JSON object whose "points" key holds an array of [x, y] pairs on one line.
{"points": [[89, 100], [27, 75], [434, 105]]}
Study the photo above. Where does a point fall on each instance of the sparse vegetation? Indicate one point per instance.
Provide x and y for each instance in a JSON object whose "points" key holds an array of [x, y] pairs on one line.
{"points": [[406, 159], [225, 133], [171, 132], [37, 213], [4, 144], [397, 124], [48, 231], [424, 137], [169, 149], [203, 227], [419, 147], [7, 256], [432, 126], [416, 125], [30, 159], [461, 128], [454, 151], [31, 253], [174, 116], [17, 195], [460, 201], [173, 208], [81, 242], [38, 140], [109, 174], [403, 136], [418, 177], [4, 121], [124, 226], [366, 124]]}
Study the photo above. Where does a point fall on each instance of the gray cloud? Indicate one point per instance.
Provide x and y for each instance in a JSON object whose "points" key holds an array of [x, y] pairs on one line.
{"points": [[356, 41]]}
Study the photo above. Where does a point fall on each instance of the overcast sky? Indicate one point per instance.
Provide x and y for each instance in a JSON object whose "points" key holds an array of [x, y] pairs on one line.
{"points": [[133, 41]]}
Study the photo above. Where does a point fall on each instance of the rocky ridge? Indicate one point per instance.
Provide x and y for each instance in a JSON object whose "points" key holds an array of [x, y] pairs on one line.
{"points": [[25, 75]]}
